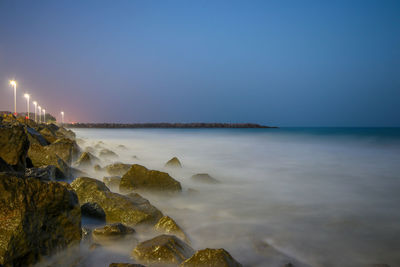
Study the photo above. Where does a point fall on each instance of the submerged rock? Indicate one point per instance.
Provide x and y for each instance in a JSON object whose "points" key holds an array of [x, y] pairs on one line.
{"points": [[118, 168], [140, 178], [118, 208], [37, 219], [168, 226], [92, 209], [98, 168], [106, 153], [112, 182], [86, 159], [163, 249], [14, 145], [112, 232], [204, 178], [174, 163], [211, 258]]}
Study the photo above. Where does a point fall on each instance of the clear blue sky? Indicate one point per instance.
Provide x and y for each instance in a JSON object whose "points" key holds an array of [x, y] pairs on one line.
{"points": [[285, 63]]}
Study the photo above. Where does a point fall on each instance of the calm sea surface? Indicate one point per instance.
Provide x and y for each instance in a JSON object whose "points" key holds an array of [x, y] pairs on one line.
{"points": [[324, 196]]}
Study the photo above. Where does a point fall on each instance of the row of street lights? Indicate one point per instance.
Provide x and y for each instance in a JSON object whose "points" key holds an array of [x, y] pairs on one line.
{"points": [[42, 111]]}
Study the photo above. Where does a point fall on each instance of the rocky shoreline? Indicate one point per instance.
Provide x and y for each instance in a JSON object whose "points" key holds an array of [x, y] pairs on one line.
{"points": [[43, 199], [166, 125]]}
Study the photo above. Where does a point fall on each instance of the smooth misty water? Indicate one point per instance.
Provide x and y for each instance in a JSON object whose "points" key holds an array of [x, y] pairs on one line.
{"points": [[327, 197]]}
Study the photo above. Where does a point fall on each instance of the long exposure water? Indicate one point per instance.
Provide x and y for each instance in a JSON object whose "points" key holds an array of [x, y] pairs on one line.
{"points": [[322, 196]]}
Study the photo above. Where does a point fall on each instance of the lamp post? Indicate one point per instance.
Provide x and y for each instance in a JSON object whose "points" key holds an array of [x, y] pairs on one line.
{"points": [[62, 117], [35, 103], [40, 114], [27, 96], [44, 115], [14, 84]]}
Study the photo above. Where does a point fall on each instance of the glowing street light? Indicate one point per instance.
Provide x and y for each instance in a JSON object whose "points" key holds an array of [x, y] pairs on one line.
{"points": [[14, 84], [44, 115], [27, 96], [35, 103], [62, 117], [40, 114]]}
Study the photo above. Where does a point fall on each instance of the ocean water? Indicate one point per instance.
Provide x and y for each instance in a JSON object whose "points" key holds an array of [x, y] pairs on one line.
{"points": [[310, 196]]}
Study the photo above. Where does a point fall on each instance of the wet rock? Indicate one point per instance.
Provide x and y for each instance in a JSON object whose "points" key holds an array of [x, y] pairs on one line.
{"points": [[14, 145], [118, 169], [112, 182], [125, 265], [48, 134], [65, 148], [37, 219], [140, 178], [35, 137], [106, 153], [204, 178], [118, 208], [86, 159], [211, 258], [115, 230], [92, 209], [174, 163], [66, 133], [163, 249], [45, 173], [168, 226]]}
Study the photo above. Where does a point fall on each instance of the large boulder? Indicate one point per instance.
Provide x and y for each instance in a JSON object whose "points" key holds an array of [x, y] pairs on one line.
{"points": [[163, 249], [118, 169], [65, 148], [211, 258], [173, 163], [37, 219], [168, 226], [118, 208], [140, 178], [42, 156], [14, 145], [204, 178], [62, 132], [48, 134], [35, 137]]}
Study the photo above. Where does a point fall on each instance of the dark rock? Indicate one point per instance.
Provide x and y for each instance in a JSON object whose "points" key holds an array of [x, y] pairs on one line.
{"points": [[35, 137], [112, 182], [92, 209], [118, 208], [86, 159], [168, 226], [174, 163], [14, 145], [106, 153], [4, 167], [140, 178], [37, 219], [45, 173], [118, 168], [211, 258], [204, 178], [163, 249]]}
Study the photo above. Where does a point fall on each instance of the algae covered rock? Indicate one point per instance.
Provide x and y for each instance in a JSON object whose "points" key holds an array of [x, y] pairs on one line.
{"points": [[163, 249], [92, 209], [118, 208], [168, 226], [37, 219], [112, 232], [204, 178], [14, 145], [118, 168], [86, 159], [140, 178], [65, 148], [211, 258], [173, 163], [35, 137]]}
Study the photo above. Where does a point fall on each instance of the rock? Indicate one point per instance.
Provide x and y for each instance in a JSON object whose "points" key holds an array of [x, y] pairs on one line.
{"points": [[4, 167], [112, 232], [48, 134], [37, 219], [62, 132], [122, 147], [14, 145], [125, 265], [118, 168], [45, 173], [86, 236], [112, 182], [94, 246], [163, 249], [204, 178], [92, 209], [86, 159], [106, 153], [140, 178], [89, 149], [174, 163], [118, 208], [35, 137], [98, 168], [211, 258], [168, 226], [65, 148]]}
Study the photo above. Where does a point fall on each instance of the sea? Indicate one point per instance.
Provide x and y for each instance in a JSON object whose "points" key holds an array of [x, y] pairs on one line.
{"points": [[306, 196]]}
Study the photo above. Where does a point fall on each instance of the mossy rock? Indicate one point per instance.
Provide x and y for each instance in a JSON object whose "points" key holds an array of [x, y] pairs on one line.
{"points": [[117, 168], [14, 145], [211, 258], [168, 226], [173, 163], [86, 159]]}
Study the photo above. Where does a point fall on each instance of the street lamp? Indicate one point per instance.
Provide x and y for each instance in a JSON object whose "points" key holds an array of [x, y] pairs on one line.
{"points": [[14, 84], [62, 117], [35, 103], [40, 114], [27, 96], [44, 115]]}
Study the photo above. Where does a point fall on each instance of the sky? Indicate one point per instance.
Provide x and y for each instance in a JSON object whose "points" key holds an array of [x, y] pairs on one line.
{"points": [[283, 63]]}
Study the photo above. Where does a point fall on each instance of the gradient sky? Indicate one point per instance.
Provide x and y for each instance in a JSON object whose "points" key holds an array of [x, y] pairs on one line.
{"points": [[285, 63]]}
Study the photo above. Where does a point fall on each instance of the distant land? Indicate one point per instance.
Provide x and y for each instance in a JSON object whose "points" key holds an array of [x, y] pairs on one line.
{"points": [[166, 125]]}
